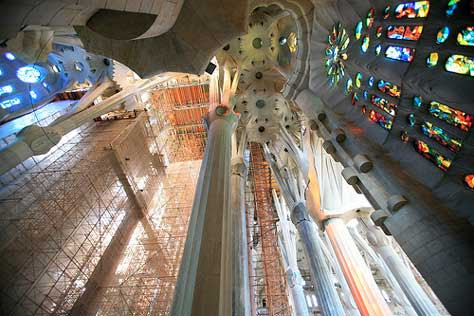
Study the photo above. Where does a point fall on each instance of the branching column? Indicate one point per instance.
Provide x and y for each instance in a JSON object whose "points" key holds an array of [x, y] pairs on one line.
{"points": [[365, 291], [415, 294], [292, 188], [235, 290], [198, 286]]}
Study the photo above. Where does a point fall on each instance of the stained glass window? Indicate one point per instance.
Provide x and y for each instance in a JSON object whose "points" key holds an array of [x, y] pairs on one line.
{"points": [[400, 53], [417, 102], [349, 87], [378, 32], [411, 119], [358, 30], [371, 81], [432, 155], [369, 21], [29, 74], [33, 94], [9, 103], [404, 137], [6, 89], [378, 49], [365, 94], [451, 116], [389, 88], [365, 43], [442, 35], [9, 56], [432, 60], [466, 36], [441, 136], [386, 12], [358, 79], [460, 64], [355, 98], [363, 109], [452, 5], [380, 120], [401, 32], [469, 180], [336, 53], [383, 104], [418, 9]]}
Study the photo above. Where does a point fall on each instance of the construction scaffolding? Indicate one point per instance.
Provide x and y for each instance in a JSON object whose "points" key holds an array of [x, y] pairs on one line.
{"points": [[267, 277]]}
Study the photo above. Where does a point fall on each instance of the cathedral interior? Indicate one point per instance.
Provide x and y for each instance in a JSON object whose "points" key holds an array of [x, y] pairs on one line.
{"points": [[237, 157]]}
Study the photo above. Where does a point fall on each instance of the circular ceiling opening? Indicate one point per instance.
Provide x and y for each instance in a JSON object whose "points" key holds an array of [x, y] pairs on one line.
{"points": [[260, 104], [257, 43], [258, 75], [261, 129]]}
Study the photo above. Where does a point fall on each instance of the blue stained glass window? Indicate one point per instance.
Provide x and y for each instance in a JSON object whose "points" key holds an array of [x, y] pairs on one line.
{"points": [[417, 102], [6, 89], [411, 119], [452, 5], [33, 94], [29, 74], [9, 56], [9, 103], [365, 94], [371, 81], [365, 44], [405, 54], [378, 49], [442, 35]]}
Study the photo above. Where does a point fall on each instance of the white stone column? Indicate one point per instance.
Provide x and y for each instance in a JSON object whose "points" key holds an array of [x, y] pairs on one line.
{"points": [[364, 290], [197, 290], [413, 291], [235, 289]]}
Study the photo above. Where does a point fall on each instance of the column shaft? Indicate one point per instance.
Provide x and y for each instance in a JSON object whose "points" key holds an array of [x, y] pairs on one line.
{"points": [[198, 286], [328, 298], [365, 291]]}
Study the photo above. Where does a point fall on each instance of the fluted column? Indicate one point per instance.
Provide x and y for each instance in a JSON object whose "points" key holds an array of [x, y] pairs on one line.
{"points": [[324, 285], [235, 290], [365, 291], [413, 291], [198, 286]]}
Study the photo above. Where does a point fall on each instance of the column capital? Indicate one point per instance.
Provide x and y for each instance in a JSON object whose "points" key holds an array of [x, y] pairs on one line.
{"points": [[221, 113], [238, 166], [299, 213]]}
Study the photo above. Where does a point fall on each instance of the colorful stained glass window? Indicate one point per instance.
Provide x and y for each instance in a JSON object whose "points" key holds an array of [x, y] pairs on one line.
{"points": [[432, 60], [418, 9], [336, 53], [386, 12], [432, 155], [363, 109], [466, 36], [389, 88], [401, 32], [442, 35], [400, 53], [349, 87], [380, 120], [451, 116], [371, 81], [6, 89], [358, 80], [469, 180], [383, 104], [369, 21], [355, 98], [411, 119], [460, 64], [378, 32], [452, 5], [378, 49], [441, 136], [365, 43], [404, 137], [9, 103], [358, 30], [417, 102], [365, 94]]}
